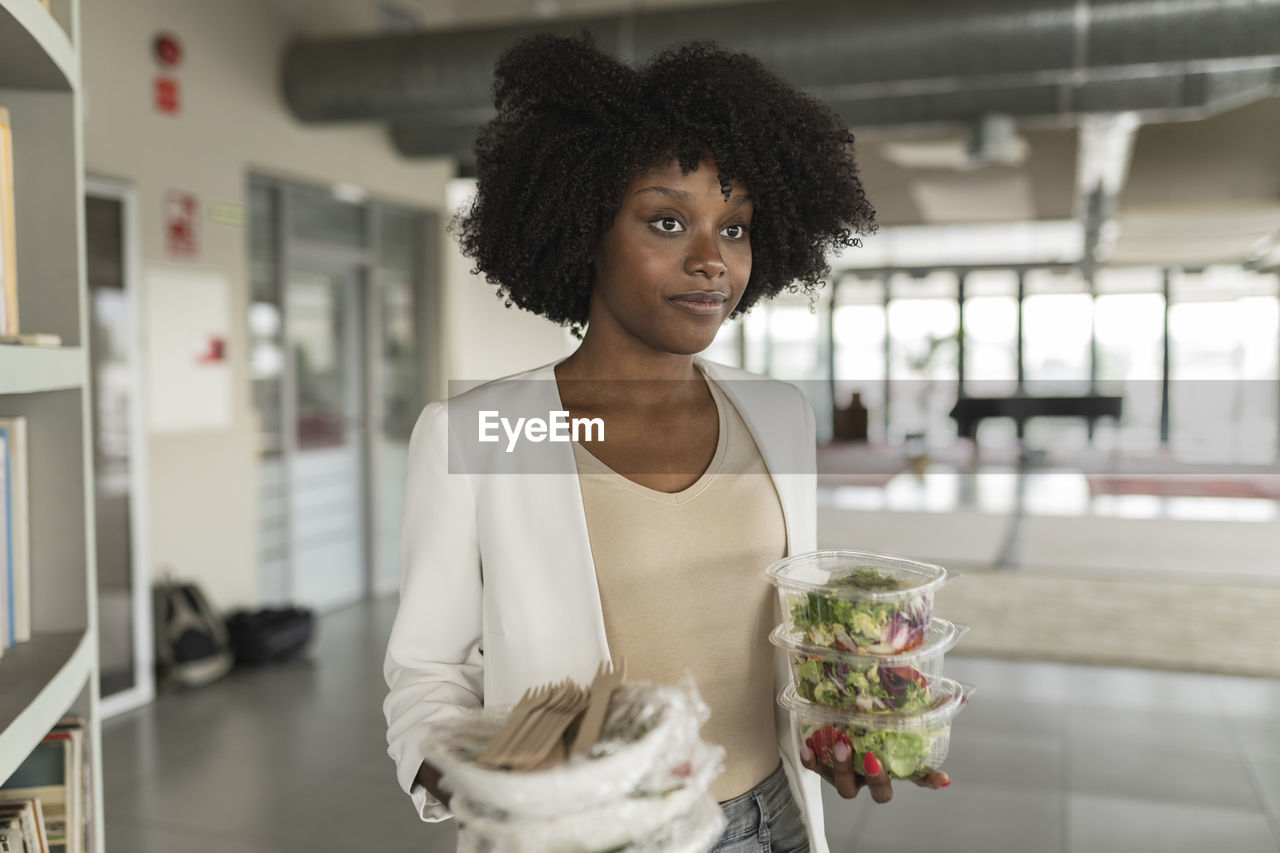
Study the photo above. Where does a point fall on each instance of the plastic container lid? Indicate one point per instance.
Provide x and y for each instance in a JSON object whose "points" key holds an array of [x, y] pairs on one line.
{"points": [[941, 637], [817, 571], [949, 696]]}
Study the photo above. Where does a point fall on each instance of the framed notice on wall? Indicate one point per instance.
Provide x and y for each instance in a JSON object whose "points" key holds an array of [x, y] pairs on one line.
{"points": [[187, 328], [181, 224]]}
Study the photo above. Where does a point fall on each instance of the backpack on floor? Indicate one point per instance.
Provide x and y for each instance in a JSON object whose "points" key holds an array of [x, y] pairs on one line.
{"points": [[192, 647], [272, 635]]}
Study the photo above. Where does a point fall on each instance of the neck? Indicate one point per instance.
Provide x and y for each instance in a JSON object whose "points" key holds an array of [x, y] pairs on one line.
{"points": [[628, 377], [596, 358]]}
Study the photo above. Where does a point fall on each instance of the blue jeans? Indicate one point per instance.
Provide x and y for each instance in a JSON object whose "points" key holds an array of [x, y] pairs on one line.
{"points": [[765, 819]]}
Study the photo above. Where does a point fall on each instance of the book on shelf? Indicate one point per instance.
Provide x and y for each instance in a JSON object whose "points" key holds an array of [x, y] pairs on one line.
{"points": [[5, 550], [14, 832], [82, 778], [27, 820], [8, 240], [54, 776], [15, 558]]}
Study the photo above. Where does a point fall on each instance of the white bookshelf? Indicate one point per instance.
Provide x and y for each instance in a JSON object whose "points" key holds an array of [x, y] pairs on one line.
{"points": [[38, 53], [47, 675], [56, 673], [29, 370]]}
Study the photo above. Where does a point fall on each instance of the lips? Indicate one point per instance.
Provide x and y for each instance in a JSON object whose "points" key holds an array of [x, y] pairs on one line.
{"points": [[701, 303]]}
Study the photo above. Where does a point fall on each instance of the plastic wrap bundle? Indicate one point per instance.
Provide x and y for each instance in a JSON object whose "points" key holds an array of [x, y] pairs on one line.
{"points": [[643, 787]]}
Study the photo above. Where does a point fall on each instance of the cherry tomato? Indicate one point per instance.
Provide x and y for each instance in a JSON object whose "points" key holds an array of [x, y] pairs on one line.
{"points": [[824, 740]]}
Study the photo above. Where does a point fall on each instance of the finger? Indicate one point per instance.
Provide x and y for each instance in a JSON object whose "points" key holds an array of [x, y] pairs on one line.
{"points": [[933, 779], [843, 776], [877, 779], [810, 762]]}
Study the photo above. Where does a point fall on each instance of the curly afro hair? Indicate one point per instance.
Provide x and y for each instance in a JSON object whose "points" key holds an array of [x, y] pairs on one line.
{"points": [[575, 125]]}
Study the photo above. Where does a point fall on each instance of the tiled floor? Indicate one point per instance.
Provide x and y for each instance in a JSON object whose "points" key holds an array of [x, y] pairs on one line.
{"points": [[1048, 758]]}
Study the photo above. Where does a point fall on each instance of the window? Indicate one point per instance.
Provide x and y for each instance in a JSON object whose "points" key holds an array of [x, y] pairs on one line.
{"points": [[1223, 340], [923, 320], [991, 333], [858, 330]]}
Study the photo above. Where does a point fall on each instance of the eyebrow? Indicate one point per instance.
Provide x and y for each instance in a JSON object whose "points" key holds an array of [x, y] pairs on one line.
{"points": [[684, 195]]}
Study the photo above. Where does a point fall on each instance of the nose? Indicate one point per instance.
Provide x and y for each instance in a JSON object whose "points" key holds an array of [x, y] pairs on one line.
{"points": [[704, 258]]}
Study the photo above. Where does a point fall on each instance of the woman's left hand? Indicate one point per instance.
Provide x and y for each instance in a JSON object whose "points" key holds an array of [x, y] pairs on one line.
{"points": [[848, 781]]}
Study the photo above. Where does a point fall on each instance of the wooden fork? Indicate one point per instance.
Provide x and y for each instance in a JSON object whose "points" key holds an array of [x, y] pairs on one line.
{"points": [[554, 718], [606, 681], [521, 716]]}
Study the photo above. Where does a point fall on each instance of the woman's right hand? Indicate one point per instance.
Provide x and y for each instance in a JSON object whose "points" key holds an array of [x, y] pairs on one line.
{"points": [[429, 778], [848, 780]]}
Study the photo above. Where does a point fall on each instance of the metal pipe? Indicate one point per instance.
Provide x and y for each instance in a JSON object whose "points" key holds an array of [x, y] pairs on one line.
{"points": [[878, 64]]}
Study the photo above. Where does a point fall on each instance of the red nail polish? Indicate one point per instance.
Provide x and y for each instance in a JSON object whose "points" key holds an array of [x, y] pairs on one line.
{"points": [[944, 783], [871, 764]]}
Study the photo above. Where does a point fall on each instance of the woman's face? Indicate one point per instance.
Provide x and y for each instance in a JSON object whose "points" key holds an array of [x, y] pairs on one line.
{"points": [[675, 262]]}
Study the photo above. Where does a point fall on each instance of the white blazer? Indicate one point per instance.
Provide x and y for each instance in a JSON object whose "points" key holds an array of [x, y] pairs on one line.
{"points": [[498, 587]]}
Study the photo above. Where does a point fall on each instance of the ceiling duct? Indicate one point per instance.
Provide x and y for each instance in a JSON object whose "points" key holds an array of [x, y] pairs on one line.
{"points": [[881, 65]]}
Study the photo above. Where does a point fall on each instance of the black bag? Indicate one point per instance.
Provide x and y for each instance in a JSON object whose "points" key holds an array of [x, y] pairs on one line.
{"points": [[192, 647], [269, 636]]}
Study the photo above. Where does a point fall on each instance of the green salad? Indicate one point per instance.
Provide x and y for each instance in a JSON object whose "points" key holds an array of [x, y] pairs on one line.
{"points": [[862, 625], [873, 688], [903, 755]]}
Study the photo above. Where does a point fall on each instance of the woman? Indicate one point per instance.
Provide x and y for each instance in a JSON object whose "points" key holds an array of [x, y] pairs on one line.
{"points": [[645, 207]]}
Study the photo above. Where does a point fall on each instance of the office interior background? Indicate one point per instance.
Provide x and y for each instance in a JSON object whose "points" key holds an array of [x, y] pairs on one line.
{"points": [[258, 292]]}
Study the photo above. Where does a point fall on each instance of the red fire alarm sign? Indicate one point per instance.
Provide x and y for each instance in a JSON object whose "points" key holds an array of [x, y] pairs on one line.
{"points": [[180, 217], [167, 97]]}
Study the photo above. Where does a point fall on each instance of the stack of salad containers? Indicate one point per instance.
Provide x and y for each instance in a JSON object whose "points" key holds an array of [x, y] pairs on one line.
{"points": [[866, 657]]}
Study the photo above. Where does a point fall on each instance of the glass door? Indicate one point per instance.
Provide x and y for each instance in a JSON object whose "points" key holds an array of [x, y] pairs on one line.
{"points": [[124, 600], [337, 332], [327, 466]]}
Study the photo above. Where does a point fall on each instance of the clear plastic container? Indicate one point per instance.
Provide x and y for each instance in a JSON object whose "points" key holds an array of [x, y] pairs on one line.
{"points": [[907, 745], [869, 683], [857, 602]]}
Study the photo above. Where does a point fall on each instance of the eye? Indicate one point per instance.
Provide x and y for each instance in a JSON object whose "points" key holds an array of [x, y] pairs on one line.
{"points": [[667, 224], [735, 232]]}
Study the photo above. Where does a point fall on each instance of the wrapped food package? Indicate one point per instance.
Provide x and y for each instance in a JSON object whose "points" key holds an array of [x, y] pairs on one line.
{"points": [[645, 778]]}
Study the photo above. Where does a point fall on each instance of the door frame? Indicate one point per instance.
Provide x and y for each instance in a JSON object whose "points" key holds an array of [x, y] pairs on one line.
{"points": [[144, 689], [288, 252]]}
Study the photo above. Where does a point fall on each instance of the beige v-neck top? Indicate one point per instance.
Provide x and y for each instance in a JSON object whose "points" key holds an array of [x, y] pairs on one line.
{"points": [[681, 585]]}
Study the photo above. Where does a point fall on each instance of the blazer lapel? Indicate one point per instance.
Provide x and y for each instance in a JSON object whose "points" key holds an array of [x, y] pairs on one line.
{"points": [[581, 618]]}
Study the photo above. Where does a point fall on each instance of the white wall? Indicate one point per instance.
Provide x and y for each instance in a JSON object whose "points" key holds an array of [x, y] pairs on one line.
{"points": [[201, 512], [485, 340]]}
